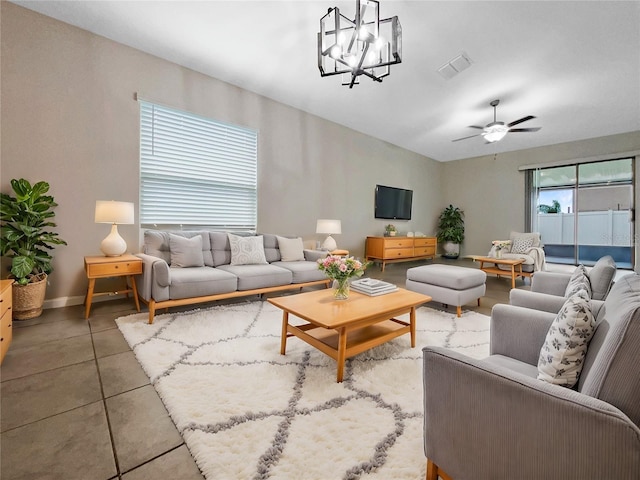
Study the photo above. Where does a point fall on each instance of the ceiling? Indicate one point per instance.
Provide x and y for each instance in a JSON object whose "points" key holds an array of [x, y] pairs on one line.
{"points": [[575, 65]]}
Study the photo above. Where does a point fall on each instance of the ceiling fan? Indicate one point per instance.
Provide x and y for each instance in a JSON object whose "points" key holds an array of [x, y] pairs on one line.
{"points": [[495, 131]]}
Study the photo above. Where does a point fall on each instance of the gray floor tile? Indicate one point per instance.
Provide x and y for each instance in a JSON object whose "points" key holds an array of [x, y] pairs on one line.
{"points": [[121, 373], [49, 315], [32, 398], [20, 362], [109, 342], [179, 462], [46, 332], [99, 323], [72, 445], [141, 427]]}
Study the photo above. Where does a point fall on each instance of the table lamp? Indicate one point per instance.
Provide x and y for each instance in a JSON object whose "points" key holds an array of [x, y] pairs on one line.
{"points": [[330, 227], [114, 212]]}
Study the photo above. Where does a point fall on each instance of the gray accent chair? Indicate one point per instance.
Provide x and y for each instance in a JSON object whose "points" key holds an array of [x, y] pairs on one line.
{"points": [[548, 288], [493, 419]]}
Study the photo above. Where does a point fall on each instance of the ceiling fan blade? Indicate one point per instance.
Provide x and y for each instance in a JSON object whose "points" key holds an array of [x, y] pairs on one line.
{"points": [[523, 119], [464, 138], [475, 126], [534, 129]]}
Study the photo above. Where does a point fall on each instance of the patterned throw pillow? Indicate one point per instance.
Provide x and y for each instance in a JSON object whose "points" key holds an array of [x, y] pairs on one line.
{"points": [[579, 281], [521, 244], [562, 354], [247, 250]]}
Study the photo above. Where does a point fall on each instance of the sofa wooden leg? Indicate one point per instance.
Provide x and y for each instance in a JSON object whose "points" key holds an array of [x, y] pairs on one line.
{"points": [[459, 310], [433, 472], [152, 310]]}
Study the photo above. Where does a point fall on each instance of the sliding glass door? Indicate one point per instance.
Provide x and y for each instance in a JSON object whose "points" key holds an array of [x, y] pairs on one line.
{"points": [[585, 211]]}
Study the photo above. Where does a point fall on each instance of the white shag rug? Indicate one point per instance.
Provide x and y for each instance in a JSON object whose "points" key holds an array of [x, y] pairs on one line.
{"points": [[247, 412]]}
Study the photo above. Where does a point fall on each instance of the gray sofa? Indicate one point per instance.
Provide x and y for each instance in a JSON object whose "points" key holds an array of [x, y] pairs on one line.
{"points": [[494, 419], [548, 289], [180, 269]]}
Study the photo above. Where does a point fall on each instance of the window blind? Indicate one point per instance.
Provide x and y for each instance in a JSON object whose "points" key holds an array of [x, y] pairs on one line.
{"points": [[196, 172]]}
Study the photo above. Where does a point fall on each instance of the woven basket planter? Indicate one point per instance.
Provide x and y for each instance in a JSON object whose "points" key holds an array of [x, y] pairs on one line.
{"points": [[28, 299]]}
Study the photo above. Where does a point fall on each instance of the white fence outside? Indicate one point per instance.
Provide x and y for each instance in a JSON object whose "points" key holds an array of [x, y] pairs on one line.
{"points": [[611, 227]]}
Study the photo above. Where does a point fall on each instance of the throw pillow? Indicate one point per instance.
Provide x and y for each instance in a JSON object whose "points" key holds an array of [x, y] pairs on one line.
{"points": [[186, 252], [291, 249], [521, 244], [562, 354], [579, 280], [601, 277], [247, 250]]}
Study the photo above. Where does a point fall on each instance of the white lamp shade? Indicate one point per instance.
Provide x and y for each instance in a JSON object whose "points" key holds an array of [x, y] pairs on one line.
{"points": [[330, 227], [108, 211], [114, 212]]}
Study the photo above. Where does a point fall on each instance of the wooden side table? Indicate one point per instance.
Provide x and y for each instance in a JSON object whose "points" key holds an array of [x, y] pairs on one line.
{"points": [[104, 267], [6, 330]]}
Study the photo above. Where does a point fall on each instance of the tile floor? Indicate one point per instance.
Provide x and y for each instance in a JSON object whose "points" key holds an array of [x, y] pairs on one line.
{"points": [[75, 403]]}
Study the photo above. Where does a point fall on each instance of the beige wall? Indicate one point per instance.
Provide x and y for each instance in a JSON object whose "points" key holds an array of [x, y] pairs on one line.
{"points": [[68, 116]]}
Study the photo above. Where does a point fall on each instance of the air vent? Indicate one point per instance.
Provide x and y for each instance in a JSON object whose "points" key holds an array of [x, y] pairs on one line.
{"points": [[455, 66]]}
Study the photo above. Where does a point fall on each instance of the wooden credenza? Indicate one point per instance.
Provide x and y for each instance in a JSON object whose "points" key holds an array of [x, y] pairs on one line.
{"points": [[400, 249], [6, 320]]}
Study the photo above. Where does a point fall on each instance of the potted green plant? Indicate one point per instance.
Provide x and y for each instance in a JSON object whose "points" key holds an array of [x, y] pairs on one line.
{"points": [[390, 230], [27, 241], [451, 231]]}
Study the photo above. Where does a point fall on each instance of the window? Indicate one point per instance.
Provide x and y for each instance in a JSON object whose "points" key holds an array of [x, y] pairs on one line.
{"points": [[585, 211], [196, 172]]}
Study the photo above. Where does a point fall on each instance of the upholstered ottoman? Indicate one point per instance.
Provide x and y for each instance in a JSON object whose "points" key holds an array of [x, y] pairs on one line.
{"points": [[448, 284]]}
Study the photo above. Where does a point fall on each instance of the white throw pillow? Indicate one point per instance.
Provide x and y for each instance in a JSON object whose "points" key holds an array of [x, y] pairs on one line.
{"points": [[247, 250], [291, 249], [562, 354], [579, 281], [186, 252]]}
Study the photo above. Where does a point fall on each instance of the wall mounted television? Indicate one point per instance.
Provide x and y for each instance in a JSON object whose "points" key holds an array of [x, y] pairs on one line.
{"points": [[393, 203]]}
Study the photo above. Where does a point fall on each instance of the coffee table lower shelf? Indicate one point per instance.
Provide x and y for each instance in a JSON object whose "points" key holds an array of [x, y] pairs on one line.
{"points": [[344, 343]]}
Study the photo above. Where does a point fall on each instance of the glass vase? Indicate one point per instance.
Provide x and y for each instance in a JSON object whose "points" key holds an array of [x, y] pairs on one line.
{"points": [[341, 289], [499, 253]]}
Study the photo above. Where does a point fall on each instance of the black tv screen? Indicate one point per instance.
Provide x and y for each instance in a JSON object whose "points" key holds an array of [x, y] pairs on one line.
{"points": [[393, 203]]}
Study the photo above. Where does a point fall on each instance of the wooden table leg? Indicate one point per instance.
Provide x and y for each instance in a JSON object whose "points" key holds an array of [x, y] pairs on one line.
{"points": [[134, 287], [283, 339], [513, 276], [87, 306], [412, 326], [342, 352]]}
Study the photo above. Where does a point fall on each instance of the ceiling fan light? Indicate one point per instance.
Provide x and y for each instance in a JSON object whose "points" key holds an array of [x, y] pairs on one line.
{"points": [[495, 133]]}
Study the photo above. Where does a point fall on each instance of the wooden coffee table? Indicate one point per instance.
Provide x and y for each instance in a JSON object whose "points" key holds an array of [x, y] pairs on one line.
{"points": [[493, 268], [344, 328]]}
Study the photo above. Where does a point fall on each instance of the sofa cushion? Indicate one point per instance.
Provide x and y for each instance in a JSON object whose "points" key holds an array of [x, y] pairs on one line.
{"points": [[200, 281], [271, 250], [601, 277], [247, 250], [578, 281], [186, 252], [303, 271], [562, 354], [156, 243], [291, 249], [251, 277]]}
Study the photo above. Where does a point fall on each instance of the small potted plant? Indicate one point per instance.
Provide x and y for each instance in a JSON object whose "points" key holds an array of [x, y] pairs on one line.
{"points": [[451, 231], [27, 241], [390, 230]]}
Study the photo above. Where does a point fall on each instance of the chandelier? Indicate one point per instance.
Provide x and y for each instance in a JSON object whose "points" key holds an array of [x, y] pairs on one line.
{"points": [[363, 46]]}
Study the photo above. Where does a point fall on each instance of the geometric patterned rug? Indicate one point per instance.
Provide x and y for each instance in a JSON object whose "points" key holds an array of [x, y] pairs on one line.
{"points": [[247, 412]]}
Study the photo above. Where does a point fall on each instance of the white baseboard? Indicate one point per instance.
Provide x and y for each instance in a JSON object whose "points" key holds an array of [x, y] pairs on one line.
{"points": [[77, 300]]}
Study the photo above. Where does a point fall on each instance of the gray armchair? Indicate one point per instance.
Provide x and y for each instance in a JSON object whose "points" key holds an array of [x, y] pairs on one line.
{"points": [[548, 288], [492, 419]]}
